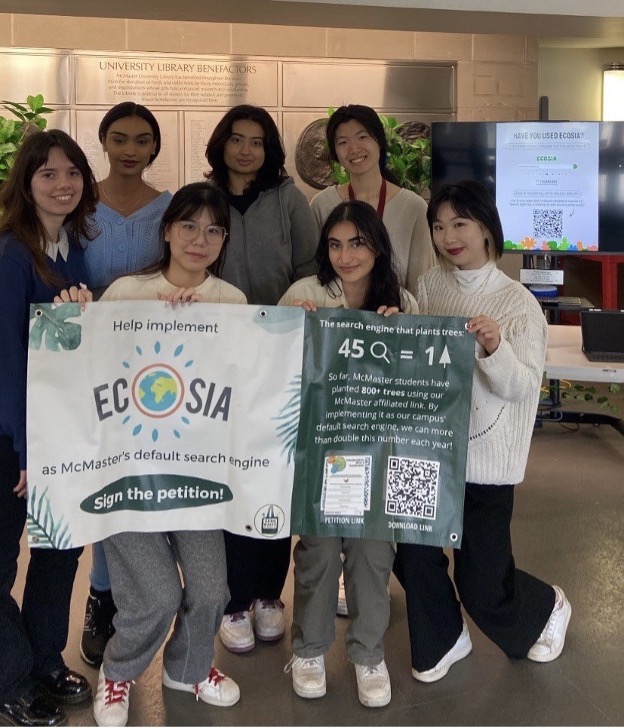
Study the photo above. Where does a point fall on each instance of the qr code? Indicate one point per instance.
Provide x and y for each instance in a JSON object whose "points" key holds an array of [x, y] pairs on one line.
{"points": [[412, 487], [547, 224]]}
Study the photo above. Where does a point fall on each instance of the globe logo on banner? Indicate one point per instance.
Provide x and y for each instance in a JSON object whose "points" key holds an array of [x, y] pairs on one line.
{"points": [[158, 390], [337, 463]]}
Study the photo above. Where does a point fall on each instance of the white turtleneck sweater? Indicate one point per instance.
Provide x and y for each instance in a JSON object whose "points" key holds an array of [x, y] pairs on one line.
{"points": [[506, 384]]}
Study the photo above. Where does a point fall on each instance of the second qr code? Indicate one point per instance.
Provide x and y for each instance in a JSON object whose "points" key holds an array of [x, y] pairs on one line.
{"points": [[412, 487]]}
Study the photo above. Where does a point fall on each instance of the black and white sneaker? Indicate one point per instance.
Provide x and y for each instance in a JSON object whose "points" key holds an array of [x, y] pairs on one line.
{"points": [[98, 626]]}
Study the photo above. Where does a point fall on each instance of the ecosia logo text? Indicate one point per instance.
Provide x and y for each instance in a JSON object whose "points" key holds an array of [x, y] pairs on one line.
{"points": [[157, 391]]}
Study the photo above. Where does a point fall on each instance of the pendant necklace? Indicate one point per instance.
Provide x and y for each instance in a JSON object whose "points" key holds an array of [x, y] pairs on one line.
{"points": [[127, 210]]}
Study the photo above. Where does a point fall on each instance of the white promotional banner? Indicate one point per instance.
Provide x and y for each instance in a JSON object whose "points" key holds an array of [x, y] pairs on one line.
{"points": [[144, 417]]}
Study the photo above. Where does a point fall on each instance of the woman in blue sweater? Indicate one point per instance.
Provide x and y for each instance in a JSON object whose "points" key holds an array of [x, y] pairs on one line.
{"points": [[126, 225], [128, 214], [45, 205]]}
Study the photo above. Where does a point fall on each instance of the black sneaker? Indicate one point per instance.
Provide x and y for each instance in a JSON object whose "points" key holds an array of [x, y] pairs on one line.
{"points": [[98, 626]]}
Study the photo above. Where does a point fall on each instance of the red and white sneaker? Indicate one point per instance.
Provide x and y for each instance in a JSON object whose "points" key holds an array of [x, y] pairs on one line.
{"points": [[217, 689], [111, 703]]}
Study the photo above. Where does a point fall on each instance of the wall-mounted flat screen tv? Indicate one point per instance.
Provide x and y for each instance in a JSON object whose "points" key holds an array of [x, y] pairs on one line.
{"points": [[559, 186]]}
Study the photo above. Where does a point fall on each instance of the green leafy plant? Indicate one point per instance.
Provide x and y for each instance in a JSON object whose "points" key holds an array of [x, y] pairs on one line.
{"points": [[29, 118], [608, 397], [409, 156]]}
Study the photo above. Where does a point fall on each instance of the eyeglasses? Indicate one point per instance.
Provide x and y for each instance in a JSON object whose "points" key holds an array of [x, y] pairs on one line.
{"points": [[189, 231]]}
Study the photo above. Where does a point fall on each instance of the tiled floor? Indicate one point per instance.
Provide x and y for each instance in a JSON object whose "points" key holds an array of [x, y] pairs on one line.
{"points": [[568, 529]]}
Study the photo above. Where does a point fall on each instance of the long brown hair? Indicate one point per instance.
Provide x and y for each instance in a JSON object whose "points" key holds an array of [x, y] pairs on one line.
{"points": [[18, 208]]}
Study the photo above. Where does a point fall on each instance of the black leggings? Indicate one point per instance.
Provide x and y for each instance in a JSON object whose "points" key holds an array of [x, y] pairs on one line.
{"points": [[32, 642]]}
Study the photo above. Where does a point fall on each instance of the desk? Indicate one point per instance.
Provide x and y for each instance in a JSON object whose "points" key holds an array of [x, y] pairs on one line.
{"points": [[565, 360], [553, 310]]}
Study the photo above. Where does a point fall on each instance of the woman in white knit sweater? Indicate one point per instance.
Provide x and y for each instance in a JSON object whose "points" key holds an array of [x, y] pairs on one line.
{"points": [[524, 616]]}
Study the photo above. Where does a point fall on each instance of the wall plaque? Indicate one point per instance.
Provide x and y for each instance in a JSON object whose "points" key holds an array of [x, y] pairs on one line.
{"points": [[413, 86], [175, 81], [30, 72]]}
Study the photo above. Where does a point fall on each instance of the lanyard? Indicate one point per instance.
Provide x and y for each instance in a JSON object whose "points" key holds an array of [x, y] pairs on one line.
{"points": [[382, 196]]}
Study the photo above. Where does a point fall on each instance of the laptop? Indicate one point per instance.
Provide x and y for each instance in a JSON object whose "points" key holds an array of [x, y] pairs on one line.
{"points": [[603, 335]]}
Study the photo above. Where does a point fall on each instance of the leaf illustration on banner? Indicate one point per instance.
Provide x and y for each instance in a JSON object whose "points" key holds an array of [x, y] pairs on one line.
{"points": [[51, 323], [43, 530], [289, 418]]}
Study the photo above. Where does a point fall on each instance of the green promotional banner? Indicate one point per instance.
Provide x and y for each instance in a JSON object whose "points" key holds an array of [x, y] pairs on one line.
{"points": [[383, 429]]}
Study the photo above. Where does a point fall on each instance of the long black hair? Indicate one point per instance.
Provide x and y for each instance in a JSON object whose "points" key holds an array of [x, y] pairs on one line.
{"points": [[272, 173], [184, 204], [122, 111], [384, 288], [370, 120], [471, 200]]}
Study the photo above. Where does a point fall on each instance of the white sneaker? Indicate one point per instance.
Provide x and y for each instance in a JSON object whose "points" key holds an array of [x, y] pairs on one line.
{"points": [[236, 632], [308, 675], [373, 683], [341, 607], [111, 702], [462, 648], [269, 619], [550, 643], [216, 689]]}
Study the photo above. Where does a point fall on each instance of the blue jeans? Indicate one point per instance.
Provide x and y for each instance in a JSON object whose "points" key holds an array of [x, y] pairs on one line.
{"points": [[99, 576]]}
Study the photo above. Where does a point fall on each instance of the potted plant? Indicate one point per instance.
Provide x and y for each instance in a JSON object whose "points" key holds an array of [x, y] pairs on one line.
{"points": [[29, 117]]}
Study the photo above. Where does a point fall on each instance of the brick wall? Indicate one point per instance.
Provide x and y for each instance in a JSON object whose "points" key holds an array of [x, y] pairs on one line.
{"points": [[496, 74]]}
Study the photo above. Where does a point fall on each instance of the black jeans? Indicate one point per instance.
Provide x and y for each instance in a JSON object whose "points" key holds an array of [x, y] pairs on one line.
{"points": [[508, 605], [30, 642], [256, 569]]}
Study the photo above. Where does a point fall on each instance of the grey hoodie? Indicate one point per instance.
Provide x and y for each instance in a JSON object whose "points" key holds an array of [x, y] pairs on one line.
{"points": [[272, 244]]}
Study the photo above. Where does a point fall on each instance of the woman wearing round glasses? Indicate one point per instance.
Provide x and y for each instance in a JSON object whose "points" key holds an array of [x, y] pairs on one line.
{"points": [[145, 567], [194, 252]]}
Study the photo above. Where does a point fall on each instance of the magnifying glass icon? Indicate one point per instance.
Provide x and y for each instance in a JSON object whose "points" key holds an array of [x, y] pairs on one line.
{"points": [[380, 346]]}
